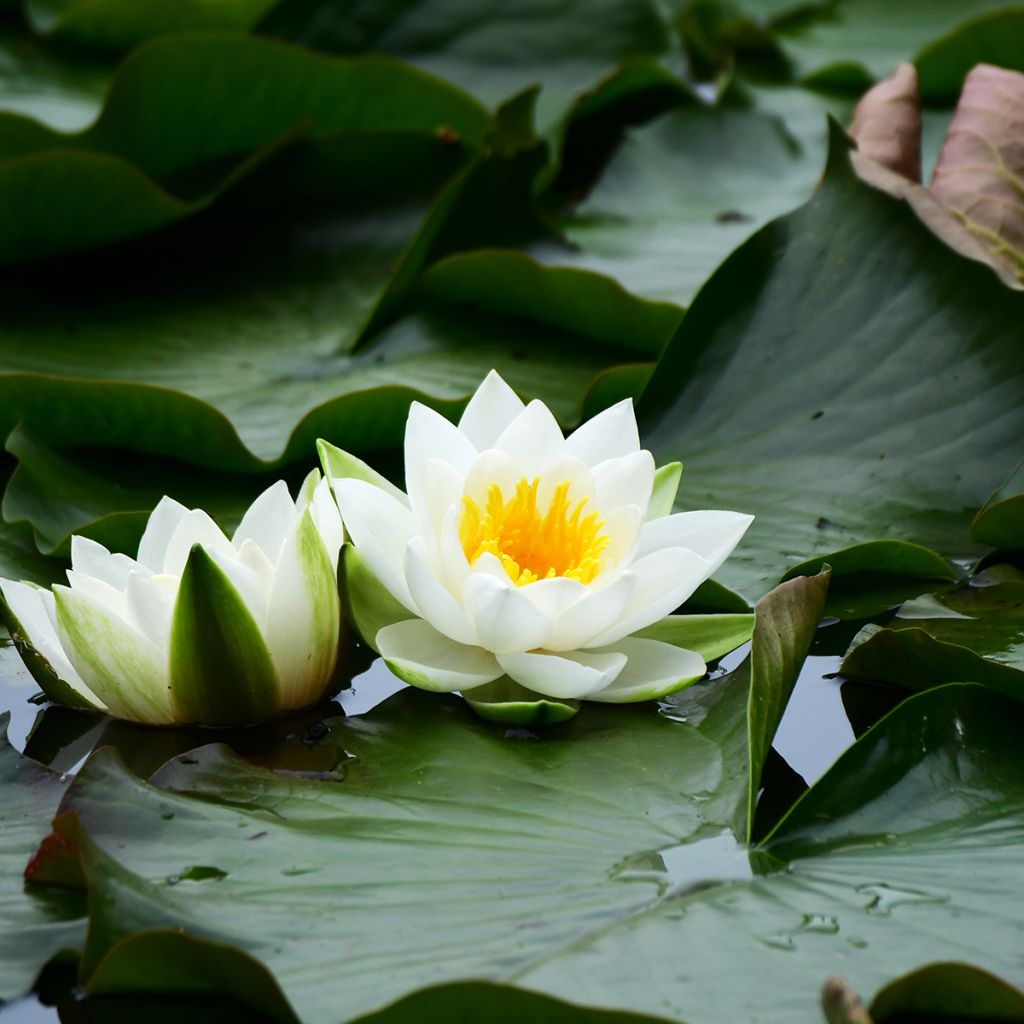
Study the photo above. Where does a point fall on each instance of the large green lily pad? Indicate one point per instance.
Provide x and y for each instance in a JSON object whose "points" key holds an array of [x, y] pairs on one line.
{"points": [[37, 923], [598, 849], [680, 194], [846, 378]]}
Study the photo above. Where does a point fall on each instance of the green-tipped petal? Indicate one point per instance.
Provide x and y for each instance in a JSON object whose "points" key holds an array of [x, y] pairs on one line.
{"points": [[303, 626], [339, 465], [422, 657], [710, 636], [663, 493], [221, 672], [32, 649], [126, 671], [368, 604], [506, 701], [653, 670]]}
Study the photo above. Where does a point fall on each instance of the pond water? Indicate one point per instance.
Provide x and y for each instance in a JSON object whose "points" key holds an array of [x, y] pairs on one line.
{"points": [[813, 733]]}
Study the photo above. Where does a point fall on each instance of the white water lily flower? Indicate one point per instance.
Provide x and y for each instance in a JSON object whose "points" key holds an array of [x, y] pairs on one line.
{"points": [[198, 628], [521, 553]]}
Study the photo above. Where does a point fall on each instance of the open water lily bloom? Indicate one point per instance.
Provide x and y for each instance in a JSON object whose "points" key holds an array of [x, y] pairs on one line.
{"points": [[198, 628], [522, 564]]}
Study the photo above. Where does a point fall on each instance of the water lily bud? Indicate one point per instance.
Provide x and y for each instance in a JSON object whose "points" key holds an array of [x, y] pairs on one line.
{"points": [[520, 565], [199, 628]]}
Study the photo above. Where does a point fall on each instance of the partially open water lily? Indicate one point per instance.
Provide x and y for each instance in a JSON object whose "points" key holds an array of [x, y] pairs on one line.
{"points": [[198, 628], [521, 564]]}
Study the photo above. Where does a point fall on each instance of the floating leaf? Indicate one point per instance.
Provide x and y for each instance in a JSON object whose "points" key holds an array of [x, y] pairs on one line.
{"points": [[807, 361], [1001, 521]]}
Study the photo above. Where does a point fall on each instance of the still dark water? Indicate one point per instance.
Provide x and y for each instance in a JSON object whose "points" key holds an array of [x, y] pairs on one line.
{"points": [[814, 732]]}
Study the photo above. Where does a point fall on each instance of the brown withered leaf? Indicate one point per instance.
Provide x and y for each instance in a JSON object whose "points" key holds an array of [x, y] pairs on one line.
{"points": [[980, 170], [887, 123]]}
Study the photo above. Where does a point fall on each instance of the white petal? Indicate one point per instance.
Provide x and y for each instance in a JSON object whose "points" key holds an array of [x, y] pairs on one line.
{"points": [[195, 527], [428, 435], [664, 580], [253, 586], [575, 472], [554, 596], [252, 555], [417, 653], [622, 526], [380, 528], [454, 564], [94, 559], [123, 668], [267, 520], [491, 409], [327, 520], [609, 435], [307, 489], [653, 669], [304, 618], [488, 468], [162, 522], [597, 612], [567, 676], [713, 535], [533, 440], [441, 491], [33, 609], [625, 481], [433, 601], [107, 595], [504, 620], [149, 606]]}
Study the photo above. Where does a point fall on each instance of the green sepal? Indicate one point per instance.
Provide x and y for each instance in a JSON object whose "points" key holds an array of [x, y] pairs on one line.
{"points": [[507, 702], [710, 636], [368, 605], [663, 493], [221, 672], [40, 669], [338, 464]]}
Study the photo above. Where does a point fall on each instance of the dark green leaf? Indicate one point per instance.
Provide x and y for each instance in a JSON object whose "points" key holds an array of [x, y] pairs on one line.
{"points": [[1001, 521]]}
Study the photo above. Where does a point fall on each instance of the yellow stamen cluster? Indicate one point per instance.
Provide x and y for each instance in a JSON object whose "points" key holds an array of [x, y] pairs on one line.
{"points": [[561, 542]]}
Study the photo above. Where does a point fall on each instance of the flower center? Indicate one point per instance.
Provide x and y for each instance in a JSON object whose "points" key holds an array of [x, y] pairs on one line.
{"points": [[561, 542]]}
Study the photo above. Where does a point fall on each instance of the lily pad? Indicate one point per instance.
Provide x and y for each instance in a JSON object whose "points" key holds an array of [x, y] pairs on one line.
{"points": [[37, 923], [591, 885], [1001, 521], [809, 361], [680, 194], [975, 632]]}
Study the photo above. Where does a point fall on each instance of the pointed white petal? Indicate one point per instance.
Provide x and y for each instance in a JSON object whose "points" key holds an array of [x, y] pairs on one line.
{"points": [[33, 608], [568, 676], [250, 554], [711, 534], [664, 580], [597, 612], [571, 470], [307, 489], [428, 435], [533, 440], [491, 409], [622, 526], [252, 585], [123, 668], [149, 605], [417, 653], [267, 520], [195, 527], [625, 481], [304, 620], [504, 620], [653, 669], [454, 564], [441, 492], [380, 528], [327, 520], [609, 435], [554, 596], [488, 468], [162, 522], [99, 591], [435, 602], [94, 559]]}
